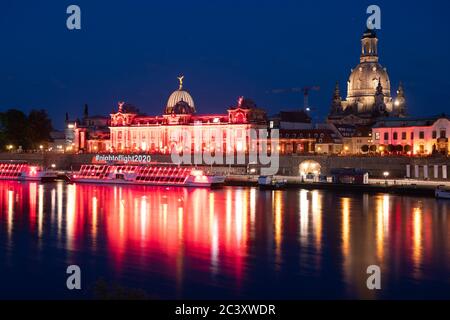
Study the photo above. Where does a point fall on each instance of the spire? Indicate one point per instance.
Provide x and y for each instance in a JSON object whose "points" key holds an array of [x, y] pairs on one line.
{"points": [[337, 93], [379, 87], [86, 111], [380, 106], [400, 102], [336, 105], [400, 91]]}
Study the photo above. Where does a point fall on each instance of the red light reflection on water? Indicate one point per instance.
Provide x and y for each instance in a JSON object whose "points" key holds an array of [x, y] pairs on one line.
{"points": [[146, 227], [180, 233]]}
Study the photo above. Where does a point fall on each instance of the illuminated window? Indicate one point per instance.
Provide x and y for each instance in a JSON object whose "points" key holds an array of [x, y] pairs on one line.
{"points": [[377, 136]]}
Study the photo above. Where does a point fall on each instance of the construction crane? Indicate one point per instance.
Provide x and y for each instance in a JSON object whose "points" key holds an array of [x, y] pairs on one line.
{"points": [[304, 90]]}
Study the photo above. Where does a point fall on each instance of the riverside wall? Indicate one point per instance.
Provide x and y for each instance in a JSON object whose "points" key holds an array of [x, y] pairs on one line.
{"points": [[288, 165]]}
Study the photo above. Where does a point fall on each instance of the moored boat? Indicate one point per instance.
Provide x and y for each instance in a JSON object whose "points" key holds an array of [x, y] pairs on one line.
{"points": [[21, 171], [271, 183], [442, 193], [162, 175]]}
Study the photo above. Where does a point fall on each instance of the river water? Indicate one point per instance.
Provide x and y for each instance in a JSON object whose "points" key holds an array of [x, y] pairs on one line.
{"points": [[180, 243]]}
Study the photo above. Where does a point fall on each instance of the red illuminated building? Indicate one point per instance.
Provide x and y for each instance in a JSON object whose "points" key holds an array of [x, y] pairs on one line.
{"points": [[132, 131]]}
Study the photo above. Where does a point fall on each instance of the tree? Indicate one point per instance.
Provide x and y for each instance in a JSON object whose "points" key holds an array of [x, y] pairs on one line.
{"points": [[407, 148], [28, 132], [390, 148], [373, 148], [14, 129], [365, 148], [39, 127]]}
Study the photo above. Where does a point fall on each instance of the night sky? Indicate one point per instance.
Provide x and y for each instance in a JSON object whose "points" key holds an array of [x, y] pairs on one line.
{"points": [[134, 50]]}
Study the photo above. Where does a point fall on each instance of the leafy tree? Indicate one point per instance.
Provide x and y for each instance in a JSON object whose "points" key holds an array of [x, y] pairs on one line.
{"points": [[390, 147], [14, 127], [407, 148], [17, 129], [39, 127], [365, 148]]}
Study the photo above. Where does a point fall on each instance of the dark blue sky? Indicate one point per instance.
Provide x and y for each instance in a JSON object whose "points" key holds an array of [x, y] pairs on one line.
{"points": [[133, 51]]}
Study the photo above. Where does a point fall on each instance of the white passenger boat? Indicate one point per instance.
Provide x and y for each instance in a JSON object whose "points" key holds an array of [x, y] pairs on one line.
{"points": [[442, 193], [161, 175], [21, 171]]}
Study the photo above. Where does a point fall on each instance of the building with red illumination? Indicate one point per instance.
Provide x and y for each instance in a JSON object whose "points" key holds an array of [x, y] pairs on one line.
{"points": [[420, 136], [132, 131]]}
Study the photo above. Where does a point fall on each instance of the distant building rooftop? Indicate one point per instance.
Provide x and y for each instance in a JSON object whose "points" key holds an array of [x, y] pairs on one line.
{"points": [[409, 122]]}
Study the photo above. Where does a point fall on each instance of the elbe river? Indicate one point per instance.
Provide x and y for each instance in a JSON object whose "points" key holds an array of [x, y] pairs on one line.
{"points": [[229, 243]]}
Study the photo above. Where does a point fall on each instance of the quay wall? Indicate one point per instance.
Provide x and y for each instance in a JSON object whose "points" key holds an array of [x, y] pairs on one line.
{"points": [[288, 165]]}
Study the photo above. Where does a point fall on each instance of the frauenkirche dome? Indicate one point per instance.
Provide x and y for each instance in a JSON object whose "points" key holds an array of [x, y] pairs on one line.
{"points": [[368, 89]]}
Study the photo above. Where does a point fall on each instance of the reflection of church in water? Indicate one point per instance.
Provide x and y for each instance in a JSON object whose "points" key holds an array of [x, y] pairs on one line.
{"points": [[369, 90]]}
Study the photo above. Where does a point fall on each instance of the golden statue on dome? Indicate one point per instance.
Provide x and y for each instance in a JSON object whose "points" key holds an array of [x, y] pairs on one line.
{"points": [[180, 78]]}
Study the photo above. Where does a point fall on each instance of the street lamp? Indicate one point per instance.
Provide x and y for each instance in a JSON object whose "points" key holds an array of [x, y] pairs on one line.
{"points": [[386, 175]]}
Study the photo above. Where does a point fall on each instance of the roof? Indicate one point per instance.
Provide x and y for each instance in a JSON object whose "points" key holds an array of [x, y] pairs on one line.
{"points": [[294, 116], [363, 131], [409, 122]]}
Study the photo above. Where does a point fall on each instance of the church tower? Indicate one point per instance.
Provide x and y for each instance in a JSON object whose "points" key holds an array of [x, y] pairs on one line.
{"points": [[336, 101], [369, 47], [368, 89]]}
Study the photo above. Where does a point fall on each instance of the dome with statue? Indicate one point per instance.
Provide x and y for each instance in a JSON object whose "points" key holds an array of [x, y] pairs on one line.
{"points": [[180, 101], [368, 88]]}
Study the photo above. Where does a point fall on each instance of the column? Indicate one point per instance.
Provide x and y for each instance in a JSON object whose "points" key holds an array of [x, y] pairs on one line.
{"points": [[416, 171], [436, 171], [425, 171], [444, 172], [408, 171]]}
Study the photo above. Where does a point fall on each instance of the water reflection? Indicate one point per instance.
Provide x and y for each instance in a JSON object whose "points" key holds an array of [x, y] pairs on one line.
{"points": [[417, 239], [229, 242]]}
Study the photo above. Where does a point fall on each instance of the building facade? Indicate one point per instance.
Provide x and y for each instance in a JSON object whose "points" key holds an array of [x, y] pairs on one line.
{"points": [[421, 136], [88, 134], [356, 139], [180, 128]]}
